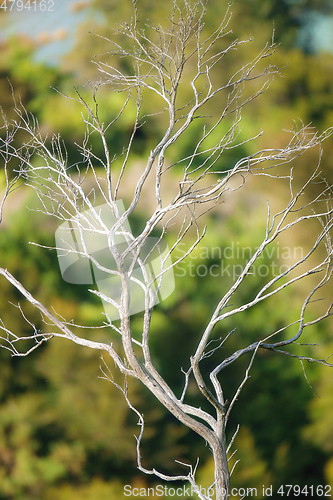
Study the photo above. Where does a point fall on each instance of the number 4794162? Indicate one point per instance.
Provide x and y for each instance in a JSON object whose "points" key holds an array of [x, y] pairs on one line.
{"points": [[289, 490], [29, 5]]}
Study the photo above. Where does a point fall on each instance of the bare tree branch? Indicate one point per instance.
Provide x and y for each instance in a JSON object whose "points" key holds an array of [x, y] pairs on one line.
{"points": [[174, 64]]}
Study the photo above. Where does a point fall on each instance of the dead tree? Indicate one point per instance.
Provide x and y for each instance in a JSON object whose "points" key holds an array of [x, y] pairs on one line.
{"points": [[173, 65]]}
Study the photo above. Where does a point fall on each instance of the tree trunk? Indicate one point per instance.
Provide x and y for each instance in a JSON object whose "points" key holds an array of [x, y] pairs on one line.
{"points": [[222, 476]]}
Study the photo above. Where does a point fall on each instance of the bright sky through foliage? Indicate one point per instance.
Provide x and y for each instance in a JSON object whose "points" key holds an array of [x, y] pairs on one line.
{"points": [[54, 29]]}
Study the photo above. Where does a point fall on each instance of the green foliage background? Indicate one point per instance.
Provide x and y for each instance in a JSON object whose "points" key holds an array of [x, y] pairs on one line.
{"points": [[64, 432]]}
